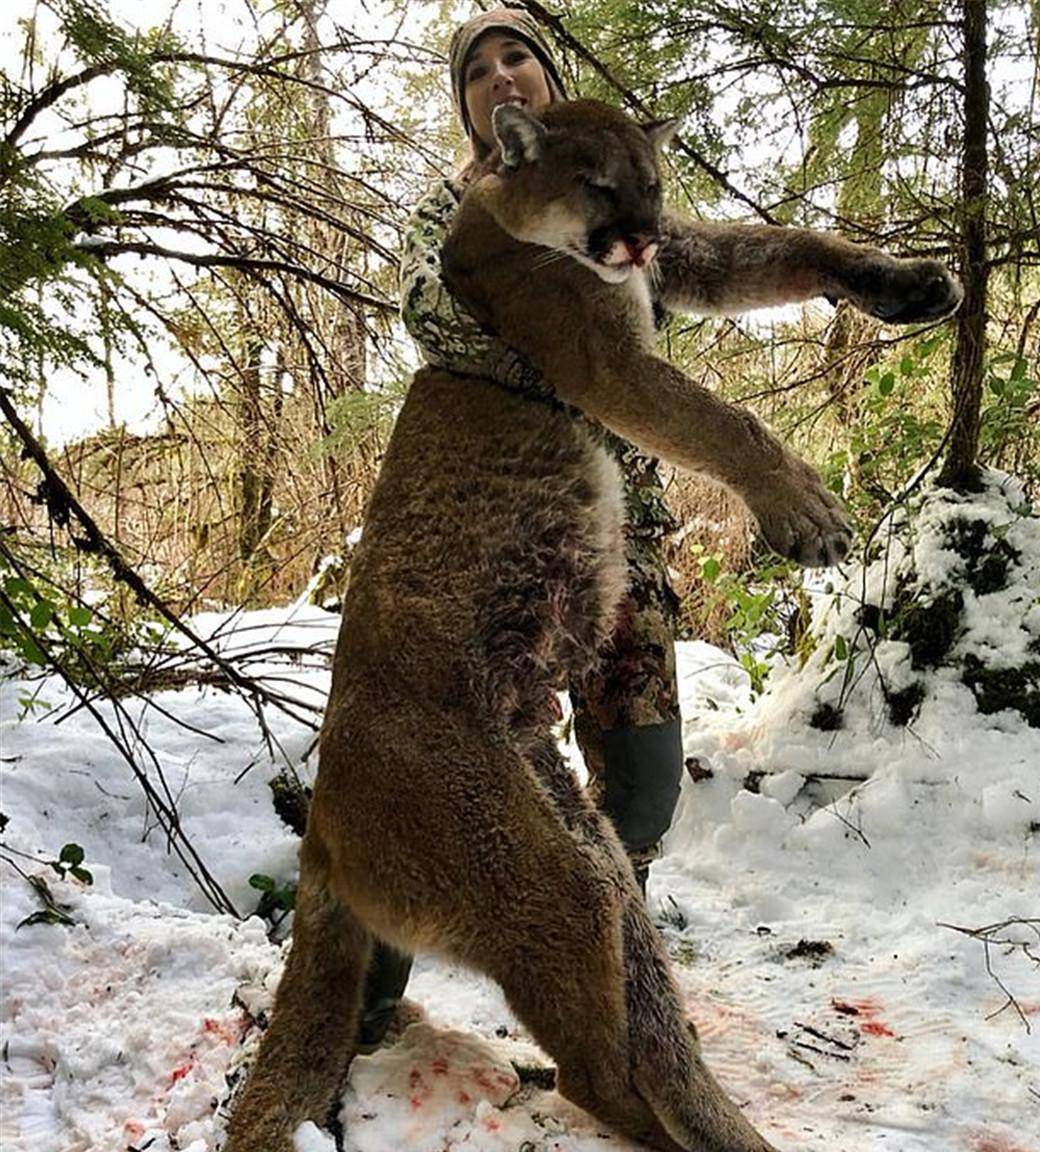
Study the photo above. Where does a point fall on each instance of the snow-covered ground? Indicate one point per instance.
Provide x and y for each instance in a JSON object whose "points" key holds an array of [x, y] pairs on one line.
{"points": [[808, 916]]}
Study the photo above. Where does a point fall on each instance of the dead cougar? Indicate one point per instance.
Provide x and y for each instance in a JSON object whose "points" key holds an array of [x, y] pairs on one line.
{"points": [[443, 817]]}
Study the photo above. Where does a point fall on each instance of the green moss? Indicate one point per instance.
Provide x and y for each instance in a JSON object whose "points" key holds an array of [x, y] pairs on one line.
{"points": [[986, 564], [826, 718], [930, 627], [998, 688], [903, 706], [291, 801]]}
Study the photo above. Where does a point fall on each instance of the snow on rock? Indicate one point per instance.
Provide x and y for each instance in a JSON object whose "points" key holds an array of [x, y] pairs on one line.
{"points": [[909, 652]]}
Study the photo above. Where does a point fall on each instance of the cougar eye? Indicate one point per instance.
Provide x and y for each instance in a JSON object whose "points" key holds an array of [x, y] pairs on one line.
{"points": [[597, 185]]}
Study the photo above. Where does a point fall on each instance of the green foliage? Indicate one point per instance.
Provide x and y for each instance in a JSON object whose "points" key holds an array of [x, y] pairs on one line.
{"points": [[276, 900], [44, 325], [766, 612], [37, 247], [41, 624], [900, 423], [70, 862], [101, 43], [1010, 433], [357, 416]]}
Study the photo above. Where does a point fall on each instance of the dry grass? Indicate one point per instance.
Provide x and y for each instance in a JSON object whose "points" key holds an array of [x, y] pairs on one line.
{"points": [[721, 525]]}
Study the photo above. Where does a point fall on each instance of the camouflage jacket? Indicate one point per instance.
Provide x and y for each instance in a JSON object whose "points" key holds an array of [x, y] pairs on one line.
{"points": [[449, 337]]}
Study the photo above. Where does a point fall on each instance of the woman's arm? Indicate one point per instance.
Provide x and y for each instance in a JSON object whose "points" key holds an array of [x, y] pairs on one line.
{"points": [[448, 334]]}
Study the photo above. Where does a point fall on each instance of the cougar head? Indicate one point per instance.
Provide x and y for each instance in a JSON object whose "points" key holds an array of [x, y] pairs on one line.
{"points": [[582, 178]]}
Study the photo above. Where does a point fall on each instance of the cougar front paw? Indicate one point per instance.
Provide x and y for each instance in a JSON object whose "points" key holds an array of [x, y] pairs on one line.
{"points": [[800, 519], [903, 291]]}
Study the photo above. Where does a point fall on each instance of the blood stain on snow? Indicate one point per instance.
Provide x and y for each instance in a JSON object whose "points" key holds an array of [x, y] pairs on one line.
{"points": [[868, 1009], [182, 1070], [222, 1030], [997, 1144], [712, 1018], [481, 1077], [856, 1007], [133, 1130], [439, 1066], [491, 1124], [416, 1103], [464, 1098]]}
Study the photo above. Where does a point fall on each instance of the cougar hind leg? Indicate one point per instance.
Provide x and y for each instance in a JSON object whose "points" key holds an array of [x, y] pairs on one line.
{"points": [[560, 959], [475, 860], [305, 1052]]}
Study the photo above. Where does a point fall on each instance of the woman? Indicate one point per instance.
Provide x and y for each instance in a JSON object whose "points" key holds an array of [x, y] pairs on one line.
{"points": [[626, 715]]}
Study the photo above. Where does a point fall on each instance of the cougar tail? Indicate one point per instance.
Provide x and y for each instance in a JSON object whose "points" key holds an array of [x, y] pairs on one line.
{"points": [[696, 1113], [667, 1069], [305, 1052]]}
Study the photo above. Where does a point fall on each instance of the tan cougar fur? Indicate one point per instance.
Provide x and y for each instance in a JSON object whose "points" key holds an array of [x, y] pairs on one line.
{"points": [[443, 817]]}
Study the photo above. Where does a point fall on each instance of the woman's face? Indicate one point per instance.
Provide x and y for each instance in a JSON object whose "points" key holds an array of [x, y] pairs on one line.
{"points": [[501, 70]]}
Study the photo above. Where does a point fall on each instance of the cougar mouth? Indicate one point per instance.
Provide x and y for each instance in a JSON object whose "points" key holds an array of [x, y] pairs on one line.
{"points": [[618, 270], [611, 273]]}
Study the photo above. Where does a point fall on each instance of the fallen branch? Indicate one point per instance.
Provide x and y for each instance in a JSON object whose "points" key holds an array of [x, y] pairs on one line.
{"points": [[163, 806], [994, 935]]}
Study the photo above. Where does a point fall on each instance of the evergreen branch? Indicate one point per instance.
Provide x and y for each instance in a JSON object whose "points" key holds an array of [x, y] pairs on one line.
{"points": [[633, 101], [51, 94]]}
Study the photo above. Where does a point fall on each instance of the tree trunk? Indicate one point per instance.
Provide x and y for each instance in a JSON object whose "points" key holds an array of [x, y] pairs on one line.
{"points": [[346, 329], [105, 314], [960, 468], [254, 517], [342, 327]]}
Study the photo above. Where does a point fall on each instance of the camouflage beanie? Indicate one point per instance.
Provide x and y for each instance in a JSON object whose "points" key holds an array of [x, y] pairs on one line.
{"points": [[513, 22]]}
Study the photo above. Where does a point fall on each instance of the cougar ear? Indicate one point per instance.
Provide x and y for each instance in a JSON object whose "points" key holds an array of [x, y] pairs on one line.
{"points": [[661, 132], [520, 136]]}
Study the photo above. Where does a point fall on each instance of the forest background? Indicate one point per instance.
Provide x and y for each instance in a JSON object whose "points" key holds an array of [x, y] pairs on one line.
{"points": [[201, 354]]}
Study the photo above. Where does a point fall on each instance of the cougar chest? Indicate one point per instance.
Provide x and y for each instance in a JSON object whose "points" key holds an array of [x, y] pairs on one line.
{"points": [[639, 306]]}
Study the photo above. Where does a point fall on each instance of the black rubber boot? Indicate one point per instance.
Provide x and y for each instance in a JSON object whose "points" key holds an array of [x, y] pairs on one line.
{"points": [[643, 769], [387, 978]]}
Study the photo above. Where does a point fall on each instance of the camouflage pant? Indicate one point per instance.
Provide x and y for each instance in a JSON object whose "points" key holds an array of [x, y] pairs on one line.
{"points": [[634, 685]]}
